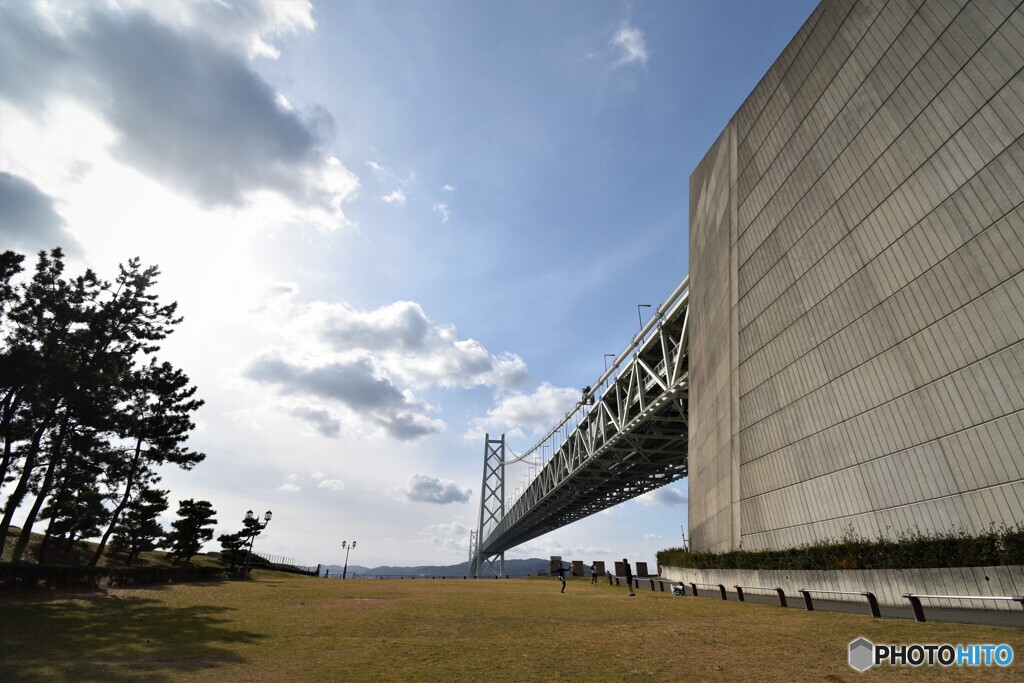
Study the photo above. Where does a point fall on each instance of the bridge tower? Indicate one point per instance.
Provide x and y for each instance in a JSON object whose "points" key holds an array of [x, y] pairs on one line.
{"points": [[492, 507]]}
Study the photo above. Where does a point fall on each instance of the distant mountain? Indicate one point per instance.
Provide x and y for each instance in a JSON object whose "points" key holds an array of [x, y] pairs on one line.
{"points": [[512, 568]]}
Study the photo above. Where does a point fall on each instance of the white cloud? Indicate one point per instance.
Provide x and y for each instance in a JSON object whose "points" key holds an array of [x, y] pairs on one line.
{"points": [[452, 546], [325, 421], [448, 188], [387, 175], [666, 495], [423, 488], [245, 27], [452, 537], [651, 537], [142, 67], [520, 414], [283, 102], [630, 40], [449, 528], [548, 545], [379, 171], [356, 385], [443, 210], [336, 367], [396, 197], [332, 484], [285, 289], [290, 488], [413, 348]]}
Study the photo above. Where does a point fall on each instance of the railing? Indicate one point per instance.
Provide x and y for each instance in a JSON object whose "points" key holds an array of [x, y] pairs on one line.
{"points": [[277, 559], [719, 586], [605, 381], [872, 602], [779, 591], [915, 600]]}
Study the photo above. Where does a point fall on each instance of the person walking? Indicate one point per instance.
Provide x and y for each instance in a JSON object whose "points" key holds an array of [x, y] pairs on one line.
{"points": [[561, 575], [593, 574], [629, 577]]}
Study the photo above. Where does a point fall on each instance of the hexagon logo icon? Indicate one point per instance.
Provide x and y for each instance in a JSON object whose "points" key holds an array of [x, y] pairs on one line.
{"points": [[862, 654]]}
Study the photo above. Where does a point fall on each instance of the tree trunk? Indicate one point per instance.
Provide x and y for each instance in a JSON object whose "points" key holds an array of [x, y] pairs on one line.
{"points": [[26, 473], [11, 405], [44, 490], [132, 473], [62, 494], [47, 537]]}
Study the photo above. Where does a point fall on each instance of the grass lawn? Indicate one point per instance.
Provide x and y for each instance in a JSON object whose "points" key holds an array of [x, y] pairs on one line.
{"points": [[282, 627]]}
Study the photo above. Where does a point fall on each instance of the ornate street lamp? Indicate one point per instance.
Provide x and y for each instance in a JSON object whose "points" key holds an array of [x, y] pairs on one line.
{"points": [[254, 529], [348, 548]]}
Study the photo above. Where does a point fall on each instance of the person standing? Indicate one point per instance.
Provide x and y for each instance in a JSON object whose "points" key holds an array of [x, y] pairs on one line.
{"points": [[561, 575], [629, 576], [593, 574]]}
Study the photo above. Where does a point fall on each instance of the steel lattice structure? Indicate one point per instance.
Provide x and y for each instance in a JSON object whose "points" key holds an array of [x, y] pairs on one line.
{"points": [[492, 508], [627, 436]]}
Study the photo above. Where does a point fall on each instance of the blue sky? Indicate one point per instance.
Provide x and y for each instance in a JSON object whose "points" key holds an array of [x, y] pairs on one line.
{"points": [[390, 226]]}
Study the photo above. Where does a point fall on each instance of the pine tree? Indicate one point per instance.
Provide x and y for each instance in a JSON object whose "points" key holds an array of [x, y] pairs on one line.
{"points": [[80, 390], [45, 355], [191, 529], [158, 418], [231, 547], [79, 513], [138, 528]]}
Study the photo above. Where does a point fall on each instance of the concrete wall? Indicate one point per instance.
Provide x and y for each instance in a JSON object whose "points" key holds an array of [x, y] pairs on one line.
{"points": [[888, 585], [713, 448], [857, 349]]}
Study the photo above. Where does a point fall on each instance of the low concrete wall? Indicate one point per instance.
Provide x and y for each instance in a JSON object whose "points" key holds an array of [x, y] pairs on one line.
{"points": [[888, 585]]}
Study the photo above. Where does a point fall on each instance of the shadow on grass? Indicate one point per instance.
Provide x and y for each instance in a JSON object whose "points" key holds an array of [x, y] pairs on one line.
{"points": [[93, 636]]}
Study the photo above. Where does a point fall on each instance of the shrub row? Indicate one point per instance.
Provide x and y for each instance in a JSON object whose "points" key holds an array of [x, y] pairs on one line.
{"points": [[56, 576], [914, 550]]}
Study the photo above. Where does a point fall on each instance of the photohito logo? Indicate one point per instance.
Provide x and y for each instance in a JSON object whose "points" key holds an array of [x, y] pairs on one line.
{"points": [[864, 654]]}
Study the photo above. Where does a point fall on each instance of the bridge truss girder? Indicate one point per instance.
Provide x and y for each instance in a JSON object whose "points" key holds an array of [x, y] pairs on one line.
{"points": [[632, 440]]}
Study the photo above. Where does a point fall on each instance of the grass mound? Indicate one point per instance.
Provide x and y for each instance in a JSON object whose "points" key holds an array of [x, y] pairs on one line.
{"points": [[81, 553]]}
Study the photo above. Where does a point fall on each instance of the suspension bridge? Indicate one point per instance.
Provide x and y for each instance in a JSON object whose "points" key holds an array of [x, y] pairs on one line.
{"points": [[626, 436]]}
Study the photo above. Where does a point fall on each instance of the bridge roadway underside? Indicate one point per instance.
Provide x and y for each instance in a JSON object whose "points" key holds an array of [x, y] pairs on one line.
{"points": [[653, 454], [628, 435]]}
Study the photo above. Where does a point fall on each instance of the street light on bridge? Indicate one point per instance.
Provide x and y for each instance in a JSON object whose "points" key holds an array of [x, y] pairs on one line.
{"points": [[347, 548], [639, 317]]}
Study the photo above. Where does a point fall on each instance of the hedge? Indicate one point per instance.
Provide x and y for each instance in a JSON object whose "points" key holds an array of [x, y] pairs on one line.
{"points": [[1004, 546], [57, 576]]}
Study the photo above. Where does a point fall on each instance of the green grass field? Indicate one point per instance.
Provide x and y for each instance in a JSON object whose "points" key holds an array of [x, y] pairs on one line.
{"points": [[292, 628]]}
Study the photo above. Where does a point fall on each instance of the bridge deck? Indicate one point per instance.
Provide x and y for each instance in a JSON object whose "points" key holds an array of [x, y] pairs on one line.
{"points": [[631, 440]]}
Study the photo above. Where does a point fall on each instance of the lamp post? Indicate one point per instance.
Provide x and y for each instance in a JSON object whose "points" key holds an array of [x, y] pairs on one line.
{"points": [[640, 317], [348, 548], [254, 528]]}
